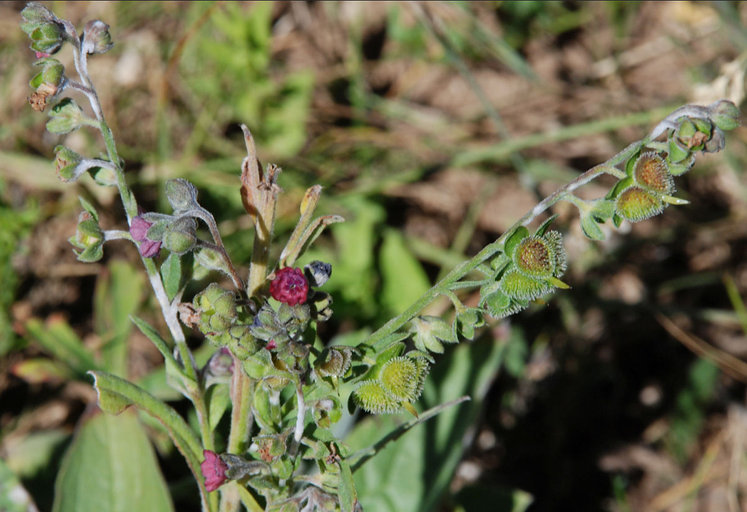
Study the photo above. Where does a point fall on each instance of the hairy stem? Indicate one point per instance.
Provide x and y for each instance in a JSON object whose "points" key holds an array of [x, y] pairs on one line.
{"points": [[379, 338]]}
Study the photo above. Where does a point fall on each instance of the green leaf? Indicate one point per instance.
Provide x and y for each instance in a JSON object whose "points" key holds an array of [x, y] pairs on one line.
{"points": [[590, 228], [219, 399], [115, 394], [171, 272], [117, 297], [403, 278], [346, 491], [13, 497], [513, 239], [111, 466], [59, 339]]}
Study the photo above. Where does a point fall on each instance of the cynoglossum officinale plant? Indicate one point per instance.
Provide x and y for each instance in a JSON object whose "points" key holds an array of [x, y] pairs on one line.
{"points": [[284, 388]]}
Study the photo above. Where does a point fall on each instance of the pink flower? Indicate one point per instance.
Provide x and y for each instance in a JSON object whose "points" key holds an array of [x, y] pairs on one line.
{"points": [[41, 55], [138, 230], [213, 469], [289, 286]]}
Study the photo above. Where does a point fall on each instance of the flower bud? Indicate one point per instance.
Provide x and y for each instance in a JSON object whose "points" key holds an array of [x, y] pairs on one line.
{"points": [[429, 332], [636, 204], [47, 37], [317, 273], [219, 367], [180, 236], [88, 238], [138, 230], [467, 321], [35, 15], [335, 362], [65, 162], [181, 194], [724, 114], [96, 37], [652, 173], [214, 470], [66, 117], [48, 82], [289, 286]]}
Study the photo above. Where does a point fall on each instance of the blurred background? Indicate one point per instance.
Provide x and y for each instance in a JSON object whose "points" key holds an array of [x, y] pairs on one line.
{"points": [[433, 127]]}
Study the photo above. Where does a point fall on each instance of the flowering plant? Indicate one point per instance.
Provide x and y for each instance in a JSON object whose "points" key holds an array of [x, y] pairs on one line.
{"points": [[284, 387]]}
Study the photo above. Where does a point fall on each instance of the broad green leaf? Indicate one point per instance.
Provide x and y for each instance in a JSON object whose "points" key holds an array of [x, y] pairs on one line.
{"points": [[118, 294], [413, 472], [116, 394], [13, 497], [111, 466], [171, 271], [403, 278]]}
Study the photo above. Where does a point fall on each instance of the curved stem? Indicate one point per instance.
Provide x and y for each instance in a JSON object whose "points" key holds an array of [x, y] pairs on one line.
{"points": [[443, 287]]}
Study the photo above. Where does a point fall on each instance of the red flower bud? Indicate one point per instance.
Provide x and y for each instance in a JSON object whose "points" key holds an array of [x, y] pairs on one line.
{"points": [[289, 286], [214, 470], [138, 230]]}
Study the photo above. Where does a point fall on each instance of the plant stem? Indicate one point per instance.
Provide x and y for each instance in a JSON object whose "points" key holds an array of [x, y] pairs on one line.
{"points": [[443, 287]]}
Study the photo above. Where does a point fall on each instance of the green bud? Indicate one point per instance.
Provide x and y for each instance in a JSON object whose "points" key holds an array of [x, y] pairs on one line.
{"points": [[89, 238], [724, 114], [334, 362], [47, 37], [52, 74], [180, 236], [96, 37], [494, 300], [225, 304], [429, 332], [467, 321], [65, 162], [326, 411], [34, 16], [181, 194], [66, 117]]}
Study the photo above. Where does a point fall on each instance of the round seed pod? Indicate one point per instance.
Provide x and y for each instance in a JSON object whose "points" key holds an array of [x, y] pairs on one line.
{"points": [[636, 204], [399, 376], [372, 397], [521, 287], [652, 173], [534, 257]]}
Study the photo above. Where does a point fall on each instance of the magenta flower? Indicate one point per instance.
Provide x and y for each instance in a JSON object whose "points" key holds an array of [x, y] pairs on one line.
{"points": [[138, 230], [213, 469], [289, 286]]}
